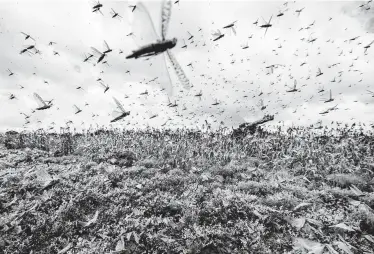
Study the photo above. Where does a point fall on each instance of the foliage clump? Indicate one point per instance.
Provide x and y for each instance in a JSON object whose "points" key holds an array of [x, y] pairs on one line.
{"points": [[183, 191]]}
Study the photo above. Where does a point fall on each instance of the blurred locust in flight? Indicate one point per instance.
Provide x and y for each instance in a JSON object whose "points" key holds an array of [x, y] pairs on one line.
{"points": [[158, 46], [102, 55], [118, 115], [42, 104]]}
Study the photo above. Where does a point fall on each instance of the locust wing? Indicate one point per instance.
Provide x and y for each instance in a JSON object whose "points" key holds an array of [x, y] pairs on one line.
{"points": [[243, 45], [261, 103], [142, 26], [27, 35], [216, 33], [165, 18], [106, 45], [145, 34], [76, 108], [103, 85], [270, 19], [333, 108], [96, 52], [184, 43], [119, 105], [116, 114], [233, 29], [39, 100], [152, 115], [165, 81], [179, 71]]}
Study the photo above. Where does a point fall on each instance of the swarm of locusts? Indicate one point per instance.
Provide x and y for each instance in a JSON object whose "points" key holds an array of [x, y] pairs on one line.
{"points": [[295, 190]]}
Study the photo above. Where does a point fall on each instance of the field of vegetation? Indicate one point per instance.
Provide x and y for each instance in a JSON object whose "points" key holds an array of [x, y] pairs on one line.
{"points": [[184, 191]]}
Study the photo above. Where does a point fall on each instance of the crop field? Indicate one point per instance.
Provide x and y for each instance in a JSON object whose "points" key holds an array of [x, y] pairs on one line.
{"points": [[180, 191]]}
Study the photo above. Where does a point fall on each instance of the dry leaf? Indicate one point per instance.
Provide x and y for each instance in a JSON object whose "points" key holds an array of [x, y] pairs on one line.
{"points": [[43, 175], [301, 205], [12, 202], [353, 202], [315, 222], [310, 246], [343, 226], [343, 247], [356, 191], [251, 169], [298, 223], [18, 229], [331, 249], [349, 246], [205, 176], [93, 220], [120, 244], [64, 250], [136, 237], [128, 236], [259, 215], [167, 239], [369, 238]]}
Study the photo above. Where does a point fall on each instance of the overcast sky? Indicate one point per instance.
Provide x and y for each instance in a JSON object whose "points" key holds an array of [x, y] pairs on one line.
{"points": [[222, 70]]}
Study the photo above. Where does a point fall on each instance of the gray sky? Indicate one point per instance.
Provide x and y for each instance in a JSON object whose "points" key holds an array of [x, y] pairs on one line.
{"points": [[233, 76]]}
